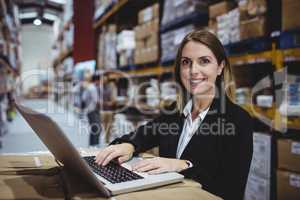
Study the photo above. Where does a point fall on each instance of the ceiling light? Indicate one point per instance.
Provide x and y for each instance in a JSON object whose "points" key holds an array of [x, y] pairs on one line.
{"points": [[37, 22]]}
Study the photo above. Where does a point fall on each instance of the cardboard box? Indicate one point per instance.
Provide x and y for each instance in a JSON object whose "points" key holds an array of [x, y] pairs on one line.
{"points": [[148, 14], [137, 56], [220, 9], [154, 25], [243, 8], [257, 7], [139, 44], [289, 155], [152, 40], [288, 185], [290, 14], [257, 188], [253, 28]]}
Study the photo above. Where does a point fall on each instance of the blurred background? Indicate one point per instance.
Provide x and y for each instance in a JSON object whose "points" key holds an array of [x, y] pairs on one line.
{"points": [[55, 53]]}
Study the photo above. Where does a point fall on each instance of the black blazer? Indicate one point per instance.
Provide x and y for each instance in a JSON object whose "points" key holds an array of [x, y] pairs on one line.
{"points": [[220, 150]]}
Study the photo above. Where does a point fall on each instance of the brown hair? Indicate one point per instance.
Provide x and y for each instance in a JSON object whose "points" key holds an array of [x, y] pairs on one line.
{"points": [[213, 43]]}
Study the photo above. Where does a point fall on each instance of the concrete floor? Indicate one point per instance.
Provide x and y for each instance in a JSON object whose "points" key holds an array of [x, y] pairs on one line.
{"points": [[21, 138]]}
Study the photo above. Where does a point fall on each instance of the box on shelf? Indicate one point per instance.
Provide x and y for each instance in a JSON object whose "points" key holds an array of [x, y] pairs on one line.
{"points": [[243, 8], [146, 55], [220, 9], [176, 9], [148, 14], [144, 30], [253, 28], [288, 185], [290, 14], [171, 40], [147, 42], [288, 154], [256, 7]]}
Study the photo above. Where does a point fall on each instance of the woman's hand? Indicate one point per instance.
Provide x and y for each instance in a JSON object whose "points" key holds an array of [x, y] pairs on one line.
{"points": [[121, 151], [160, 165]]}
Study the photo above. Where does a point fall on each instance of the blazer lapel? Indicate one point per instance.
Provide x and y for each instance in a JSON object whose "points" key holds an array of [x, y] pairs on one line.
{"points": [[203, 130]]}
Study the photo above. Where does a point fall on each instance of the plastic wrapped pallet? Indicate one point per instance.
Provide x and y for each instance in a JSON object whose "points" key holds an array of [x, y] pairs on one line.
{"points": [[171, 40], [107, 51], [261, 161], [290, 105], [258, 185], [175, 9], [257, 188], [228, 27], [125, 47]]}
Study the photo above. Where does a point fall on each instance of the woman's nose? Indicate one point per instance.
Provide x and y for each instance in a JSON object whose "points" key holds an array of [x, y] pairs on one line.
{"points": [[194, 69]]}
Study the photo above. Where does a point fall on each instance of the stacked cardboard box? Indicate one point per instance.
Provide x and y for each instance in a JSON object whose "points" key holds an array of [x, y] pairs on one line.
{"points": [[170, 42], [252, 19], [179, 8], [288, 174], [147, 36], [258, 186], [216, 10], [252, 28], [232, 25], [290, 14]]}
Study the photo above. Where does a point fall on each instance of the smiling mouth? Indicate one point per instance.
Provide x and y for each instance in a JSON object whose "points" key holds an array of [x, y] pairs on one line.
{"points": [[195, 82]]}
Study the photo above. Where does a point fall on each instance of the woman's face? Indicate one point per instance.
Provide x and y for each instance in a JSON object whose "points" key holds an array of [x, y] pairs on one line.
{"points": [[199, 68]]}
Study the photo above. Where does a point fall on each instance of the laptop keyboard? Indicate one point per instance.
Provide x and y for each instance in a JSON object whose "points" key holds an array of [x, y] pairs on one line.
{"points": [[113, 172]]}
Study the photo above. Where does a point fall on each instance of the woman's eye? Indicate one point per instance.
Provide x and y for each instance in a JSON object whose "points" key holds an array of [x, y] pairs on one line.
{"points": [[185, 62], [204, 61]]}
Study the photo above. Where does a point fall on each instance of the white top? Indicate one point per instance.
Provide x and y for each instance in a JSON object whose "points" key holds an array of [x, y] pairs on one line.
{"points": [[189, 127]]}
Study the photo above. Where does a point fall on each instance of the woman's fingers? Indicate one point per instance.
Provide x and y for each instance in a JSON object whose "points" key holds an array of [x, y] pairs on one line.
{"points": [[111, 156], [146, 165], [140, 164], [101, 156], [122, 159]]}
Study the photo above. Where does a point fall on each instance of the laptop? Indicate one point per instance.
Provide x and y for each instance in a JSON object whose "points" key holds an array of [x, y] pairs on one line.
{"points": [[110, 180]]}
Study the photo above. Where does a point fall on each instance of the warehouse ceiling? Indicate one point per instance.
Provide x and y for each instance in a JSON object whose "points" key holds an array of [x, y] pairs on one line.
{"points": [[45, 10]]}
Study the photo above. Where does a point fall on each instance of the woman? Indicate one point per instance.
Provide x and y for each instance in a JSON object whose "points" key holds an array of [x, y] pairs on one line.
{"points": [[209, 138]]}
